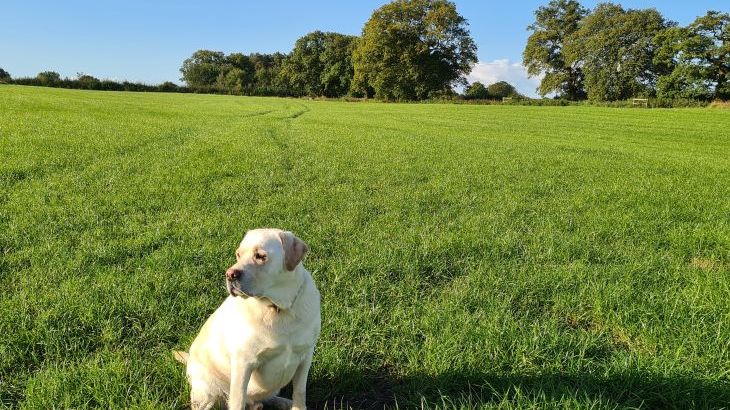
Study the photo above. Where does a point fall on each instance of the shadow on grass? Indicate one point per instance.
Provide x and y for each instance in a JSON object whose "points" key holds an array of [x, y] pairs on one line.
{"points": [[378, 390]]}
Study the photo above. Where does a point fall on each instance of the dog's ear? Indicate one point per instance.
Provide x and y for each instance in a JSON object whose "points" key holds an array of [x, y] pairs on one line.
{"points": [[294, 249]]}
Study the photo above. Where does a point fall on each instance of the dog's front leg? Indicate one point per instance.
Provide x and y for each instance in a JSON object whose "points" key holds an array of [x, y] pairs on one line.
{"points": [[240, 376], [299, 383]]}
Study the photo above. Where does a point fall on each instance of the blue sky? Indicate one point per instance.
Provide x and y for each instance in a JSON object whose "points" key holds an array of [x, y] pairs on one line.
{"points": [[148, 40]]}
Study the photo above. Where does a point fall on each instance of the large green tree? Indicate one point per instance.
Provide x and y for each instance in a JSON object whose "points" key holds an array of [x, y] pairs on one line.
{"points": [[697, 58], [615, 48], [203, 68], [678, 49], [476, 91], [713, 52], [320, 64], [338, 71], [4, 75], [413, 49], [543, 55]]}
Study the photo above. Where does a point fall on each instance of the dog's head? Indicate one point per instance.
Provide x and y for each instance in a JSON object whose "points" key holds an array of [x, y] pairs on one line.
{"points": [[266, 261]]}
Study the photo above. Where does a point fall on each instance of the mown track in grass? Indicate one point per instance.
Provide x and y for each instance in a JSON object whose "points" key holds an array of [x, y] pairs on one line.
{"points": [[468, 256]]}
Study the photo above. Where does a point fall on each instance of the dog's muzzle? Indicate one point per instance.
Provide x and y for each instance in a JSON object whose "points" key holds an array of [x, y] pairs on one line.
{"points": [[234, 284], [233, 274]]}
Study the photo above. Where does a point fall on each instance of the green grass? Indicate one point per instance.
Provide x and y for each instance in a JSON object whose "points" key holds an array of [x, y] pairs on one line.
{"points": [[468, 256]]}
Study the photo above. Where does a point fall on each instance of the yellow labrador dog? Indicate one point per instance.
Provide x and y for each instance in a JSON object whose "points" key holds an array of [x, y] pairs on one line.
{"points": [[262, 337]]}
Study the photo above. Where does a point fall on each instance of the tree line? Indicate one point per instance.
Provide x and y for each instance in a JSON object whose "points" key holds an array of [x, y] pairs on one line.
{"points": [[87, 82], [319, 65], [422, 49], [611, 53], [408, 50]]}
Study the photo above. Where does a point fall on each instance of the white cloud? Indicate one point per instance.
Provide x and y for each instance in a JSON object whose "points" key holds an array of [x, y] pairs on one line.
{"points": [[504, 70]]}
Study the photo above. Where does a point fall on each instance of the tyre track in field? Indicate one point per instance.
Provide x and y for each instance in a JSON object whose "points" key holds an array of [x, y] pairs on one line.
{"points": [[280, 135], [256, 114], [276, 127]]}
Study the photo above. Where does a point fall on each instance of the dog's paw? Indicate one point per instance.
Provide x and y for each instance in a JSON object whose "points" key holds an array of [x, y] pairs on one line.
{"points": [[256, 406]]}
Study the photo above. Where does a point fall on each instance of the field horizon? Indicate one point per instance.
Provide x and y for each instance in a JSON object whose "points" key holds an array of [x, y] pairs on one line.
{"points": [[468, 256]]}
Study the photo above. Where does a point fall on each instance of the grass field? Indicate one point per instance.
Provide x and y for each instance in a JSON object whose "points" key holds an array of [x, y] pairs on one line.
{"points": [[468, 256]]}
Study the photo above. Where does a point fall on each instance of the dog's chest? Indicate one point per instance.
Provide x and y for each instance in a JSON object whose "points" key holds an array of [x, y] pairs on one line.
{"points": [[278, 362]]}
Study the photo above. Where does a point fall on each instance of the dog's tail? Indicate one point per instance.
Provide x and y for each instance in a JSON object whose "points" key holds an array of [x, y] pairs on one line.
{"points": [[181, 357]]}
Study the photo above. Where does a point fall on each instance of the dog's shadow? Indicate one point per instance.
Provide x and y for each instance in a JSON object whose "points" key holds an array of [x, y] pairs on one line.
{"points": [[382, 389]]}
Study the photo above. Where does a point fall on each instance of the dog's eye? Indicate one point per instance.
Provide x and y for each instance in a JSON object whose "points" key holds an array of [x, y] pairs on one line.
{"points": [[259, 256]]}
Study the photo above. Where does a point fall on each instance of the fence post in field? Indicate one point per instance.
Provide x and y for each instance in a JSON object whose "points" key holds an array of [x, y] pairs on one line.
{"points": [[640, 101]]}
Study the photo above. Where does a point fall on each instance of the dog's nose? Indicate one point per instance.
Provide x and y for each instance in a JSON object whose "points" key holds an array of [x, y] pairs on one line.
{"points": [[233, 274]]}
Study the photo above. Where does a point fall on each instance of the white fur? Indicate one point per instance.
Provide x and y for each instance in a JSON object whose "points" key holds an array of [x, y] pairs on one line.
{"points": [[251, 347]]}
